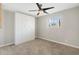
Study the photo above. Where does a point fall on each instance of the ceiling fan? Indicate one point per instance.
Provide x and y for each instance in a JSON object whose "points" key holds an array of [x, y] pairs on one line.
{"points": [[41, 9]]}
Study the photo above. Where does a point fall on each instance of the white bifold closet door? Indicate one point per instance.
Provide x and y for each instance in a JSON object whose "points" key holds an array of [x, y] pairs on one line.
{"points": [[24, 28]]}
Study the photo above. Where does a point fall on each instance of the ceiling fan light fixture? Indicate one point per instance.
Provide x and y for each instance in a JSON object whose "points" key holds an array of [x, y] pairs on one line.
{"points": [[41, 10], [40, 13]]}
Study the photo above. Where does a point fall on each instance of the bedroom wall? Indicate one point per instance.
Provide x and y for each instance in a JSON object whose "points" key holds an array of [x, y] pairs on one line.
{"points": [[36, 27], [24, 28], [68, 33], [9, 17], [11, 28], [7, 28], [1, 25]]}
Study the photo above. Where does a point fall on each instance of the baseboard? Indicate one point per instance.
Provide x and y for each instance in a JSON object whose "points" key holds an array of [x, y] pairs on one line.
{"points": [[18, 43], [61, 43], [6, 44], [36, 38]]}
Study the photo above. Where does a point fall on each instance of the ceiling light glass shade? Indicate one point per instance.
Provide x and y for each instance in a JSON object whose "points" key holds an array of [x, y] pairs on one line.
{"points": [[40, 13]]}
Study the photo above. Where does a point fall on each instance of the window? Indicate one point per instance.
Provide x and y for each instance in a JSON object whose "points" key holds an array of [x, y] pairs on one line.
{"points": [[54, 21]]}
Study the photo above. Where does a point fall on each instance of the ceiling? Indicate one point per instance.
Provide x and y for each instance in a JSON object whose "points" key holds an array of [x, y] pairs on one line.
{"points": [[24, 7]]}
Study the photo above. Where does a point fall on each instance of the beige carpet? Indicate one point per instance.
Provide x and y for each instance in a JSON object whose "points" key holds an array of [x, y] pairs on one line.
{"points": [[38, 47]]}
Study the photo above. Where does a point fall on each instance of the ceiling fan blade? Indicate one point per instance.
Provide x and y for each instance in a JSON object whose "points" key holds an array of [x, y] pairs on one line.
{"points": [[48, 8], [39, 6], [45, 12], [32, 10]]}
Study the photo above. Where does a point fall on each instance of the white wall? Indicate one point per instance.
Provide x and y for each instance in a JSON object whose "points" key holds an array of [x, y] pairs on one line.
{"points": [[68, 33], [7, 29], [36, 27], [24, 28], [16, 28], [1, 36], [1, 26], [9, 17]]}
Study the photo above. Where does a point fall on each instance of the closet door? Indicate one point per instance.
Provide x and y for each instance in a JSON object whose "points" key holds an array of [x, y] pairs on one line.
{"points": [[24, 28]]}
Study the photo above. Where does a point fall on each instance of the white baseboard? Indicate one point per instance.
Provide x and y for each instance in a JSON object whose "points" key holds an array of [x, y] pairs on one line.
{"points": [[6, 44], [17, 43], [74, 46]]}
